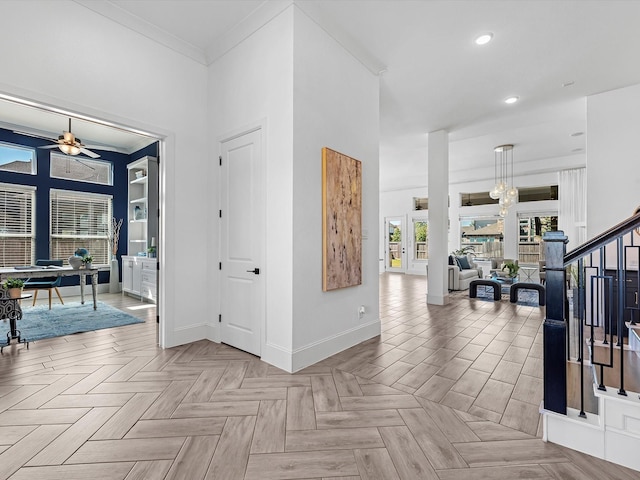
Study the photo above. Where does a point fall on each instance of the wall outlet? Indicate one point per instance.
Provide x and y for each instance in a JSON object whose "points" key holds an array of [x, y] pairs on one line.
{"points": [[360, 311]]}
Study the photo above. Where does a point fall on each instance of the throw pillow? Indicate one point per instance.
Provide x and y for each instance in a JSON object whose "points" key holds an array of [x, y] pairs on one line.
{"points": [[463, 263]]}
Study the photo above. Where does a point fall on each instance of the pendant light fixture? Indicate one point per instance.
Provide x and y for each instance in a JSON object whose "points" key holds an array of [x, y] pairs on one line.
{"points": [[504, 190]]}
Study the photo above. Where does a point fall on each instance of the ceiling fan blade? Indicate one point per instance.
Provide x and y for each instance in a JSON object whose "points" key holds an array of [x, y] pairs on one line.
{"points": [[49, 146], [105, 148], [89, 153]]}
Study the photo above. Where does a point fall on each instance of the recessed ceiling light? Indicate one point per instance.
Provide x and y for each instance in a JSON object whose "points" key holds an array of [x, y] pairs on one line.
{"points": [[484, 38], [577, 134], [511, 100]]}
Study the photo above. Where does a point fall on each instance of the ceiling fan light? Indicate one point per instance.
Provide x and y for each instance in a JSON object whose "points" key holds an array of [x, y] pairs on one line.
{"points": [[69, 149], [484, 38]]}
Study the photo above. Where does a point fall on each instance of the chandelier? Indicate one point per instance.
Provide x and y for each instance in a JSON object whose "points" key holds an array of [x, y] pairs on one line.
{"points": [[504, 190]]}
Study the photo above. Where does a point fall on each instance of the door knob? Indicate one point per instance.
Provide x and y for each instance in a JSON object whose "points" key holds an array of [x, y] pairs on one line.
{"points": [[255, 270]]}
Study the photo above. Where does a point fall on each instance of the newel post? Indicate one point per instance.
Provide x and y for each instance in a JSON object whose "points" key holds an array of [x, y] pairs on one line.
{"points": [[555, 326]]}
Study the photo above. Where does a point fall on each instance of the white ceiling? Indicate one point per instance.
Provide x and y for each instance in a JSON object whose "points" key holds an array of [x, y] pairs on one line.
{"points": [[433, 75]]}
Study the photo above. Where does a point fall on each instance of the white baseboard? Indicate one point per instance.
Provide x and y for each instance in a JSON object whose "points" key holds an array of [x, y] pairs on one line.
{"points": [[277, 356], [613, 435], [313, 353], [190, 334], [438, 299]]}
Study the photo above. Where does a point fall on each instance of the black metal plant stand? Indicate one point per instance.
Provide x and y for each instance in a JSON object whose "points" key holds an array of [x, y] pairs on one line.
{"points": [[10, 309]]}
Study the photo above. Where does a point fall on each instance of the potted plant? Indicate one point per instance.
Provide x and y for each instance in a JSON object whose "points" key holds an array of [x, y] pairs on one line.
{"points": [[151, 252], [511, 269], [87, 260], [14, 287]]}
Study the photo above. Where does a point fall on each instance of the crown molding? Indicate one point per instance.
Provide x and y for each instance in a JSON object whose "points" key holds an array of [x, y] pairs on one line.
{"points": [[118, 15], [266, 12]]}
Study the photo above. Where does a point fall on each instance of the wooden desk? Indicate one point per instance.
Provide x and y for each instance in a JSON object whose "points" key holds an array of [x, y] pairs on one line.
{"points": [[43, 272]]}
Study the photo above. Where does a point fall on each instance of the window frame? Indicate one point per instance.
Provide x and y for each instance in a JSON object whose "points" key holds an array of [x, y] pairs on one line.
{"points": [[34, 158], [29, 226], [55, 156], [81, 240], [486, 251]]}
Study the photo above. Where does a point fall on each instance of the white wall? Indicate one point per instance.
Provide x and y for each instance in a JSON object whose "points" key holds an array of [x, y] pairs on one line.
{"points": [[613, 173], [253, 83], [263, 80], [335, 106], [63, 54]]}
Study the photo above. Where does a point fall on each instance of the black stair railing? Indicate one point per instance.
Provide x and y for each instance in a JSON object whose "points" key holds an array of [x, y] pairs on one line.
{"points": [[590, 320]]}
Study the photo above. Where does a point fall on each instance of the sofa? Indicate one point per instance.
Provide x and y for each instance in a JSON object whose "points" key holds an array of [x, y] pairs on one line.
{"points": [[462, 272]]}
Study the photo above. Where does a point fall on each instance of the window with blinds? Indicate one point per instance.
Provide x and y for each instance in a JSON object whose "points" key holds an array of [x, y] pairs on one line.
{"points": [[17, 225], [80, 220]]}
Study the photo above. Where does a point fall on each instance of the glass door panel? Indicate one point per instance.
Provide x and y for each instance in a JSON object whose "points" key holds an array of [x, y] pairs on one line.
{"points": [[395, 260], [420, 233]]}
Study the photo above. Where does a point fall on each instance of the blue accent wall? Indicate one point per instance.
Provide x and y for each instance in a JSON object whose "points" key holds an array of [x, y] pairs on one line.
{"points": [[44, 183]]}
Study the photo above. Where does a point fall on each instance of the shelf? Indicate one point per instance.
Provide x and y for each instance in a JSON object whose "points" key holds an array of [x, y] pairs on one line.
{"points": [[138, 241], [138, 180], [139, 200], [140, 220]]}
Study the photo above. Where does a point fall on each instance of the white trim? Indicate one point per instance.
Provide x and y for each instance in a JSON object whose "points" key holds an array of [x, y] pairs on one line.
{"points": [[613, 435], [314, 352], [277, 356], [136, 24], [437, 299]]}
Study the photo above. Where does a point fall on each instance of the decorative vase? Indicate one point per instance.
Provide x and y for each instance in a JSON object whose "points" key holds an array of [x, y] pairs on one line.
{"points": [[75, 262], [15, 292], [114, 276]]}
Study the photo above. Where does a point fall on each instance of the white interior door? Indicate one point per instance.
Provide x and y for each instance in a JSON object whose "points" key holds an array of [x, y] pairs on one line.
{"points": [[396, 257], [242, 242]]}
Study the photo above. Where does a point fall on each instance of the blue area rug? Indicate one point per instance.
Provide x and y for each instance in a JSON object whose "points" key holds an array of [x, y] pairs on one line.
{"points": [[39, 322]]}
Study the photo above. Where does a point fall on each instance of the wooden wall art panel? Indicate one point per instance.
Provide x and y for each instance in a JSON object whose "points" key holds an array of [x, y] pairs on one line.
{"points": [[341, 220]]}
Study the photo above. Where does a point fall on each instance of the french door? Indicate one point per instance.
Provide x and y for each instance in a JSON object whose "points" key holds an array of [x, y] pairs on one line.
{"points": [[395, 245]]}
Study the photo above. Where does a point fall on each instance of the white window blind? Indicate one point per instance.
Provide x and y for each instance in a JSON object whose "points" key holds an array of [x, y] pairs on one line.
{"points": [[17, 227], [80, 220]]}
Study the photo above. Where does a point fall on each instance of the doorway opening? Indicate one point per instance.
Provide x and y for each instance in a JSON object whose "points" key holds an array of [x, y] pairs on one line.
{"points": [[40, 125]]}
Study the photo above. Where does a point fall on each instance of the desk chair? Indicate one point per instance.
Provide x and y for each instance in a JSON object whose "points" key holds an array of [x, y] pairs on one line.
{"points": [[46, 283]]}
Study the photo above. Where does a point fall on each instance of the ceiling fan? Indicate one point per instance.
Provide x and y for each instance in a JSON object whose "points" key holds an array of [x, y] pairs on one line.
{"points": [[71, 145]]}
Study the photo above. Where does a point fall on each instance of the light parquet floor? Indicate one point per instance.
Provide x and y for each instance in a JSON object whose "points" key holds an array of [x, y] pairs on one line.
{"points": [[437, 396]]}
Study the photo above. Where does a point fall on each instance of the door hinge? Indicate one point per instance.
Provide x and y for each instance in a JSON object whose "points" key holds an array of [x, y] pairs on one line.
{"points": [[220, 159], [220, 213], [220, 318], [220, 266]]}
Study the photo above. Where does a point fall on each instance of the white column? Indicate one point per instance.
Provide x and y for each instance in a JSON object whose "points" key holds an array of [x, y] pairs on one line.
{"points": [[438, 191]]}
